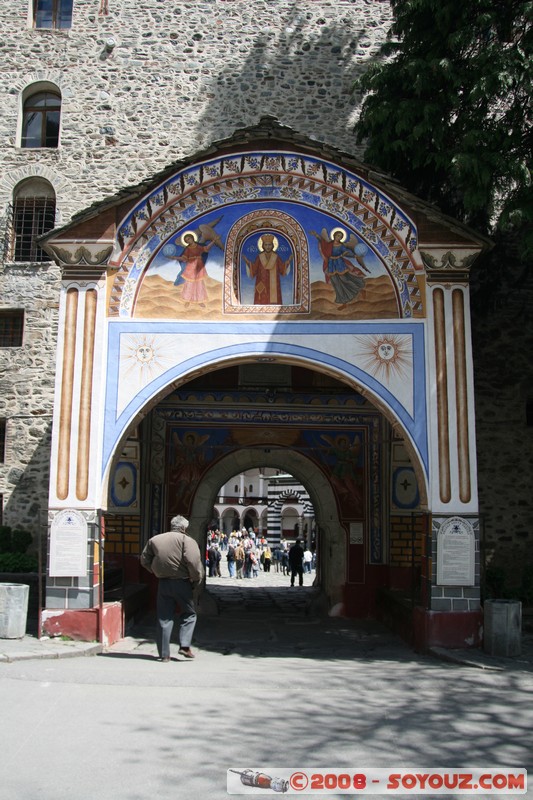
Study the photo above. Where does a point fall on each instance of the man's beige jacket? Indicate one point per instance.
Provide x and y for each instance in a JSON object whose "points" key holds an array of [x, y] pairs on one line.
{"points": [[173, 555]]}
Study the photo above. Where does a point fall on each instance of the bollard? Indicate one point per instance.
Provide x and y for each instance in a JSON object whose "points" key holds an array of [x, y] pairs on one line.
{"points": [[13, 610], [502, 627]]}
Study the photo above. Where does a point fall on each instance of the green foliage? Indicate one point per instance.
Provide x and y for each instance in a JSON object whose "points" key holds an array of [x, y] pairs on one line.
{"points": [[5, 539], [20, 540], [18, 562], [495, 584], [448, 110], [14, 541]]}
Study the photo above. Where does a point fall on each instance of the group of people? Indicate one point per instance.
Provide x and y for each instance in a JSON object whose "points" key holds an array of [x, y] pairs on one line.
{"points": [[175, 559], [247, 554]]}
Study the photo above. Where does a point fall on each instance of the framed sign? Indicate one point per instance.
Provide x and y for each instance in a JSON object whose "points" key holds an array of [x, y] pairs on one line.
{"points": [[456, 553], [68, 545]]}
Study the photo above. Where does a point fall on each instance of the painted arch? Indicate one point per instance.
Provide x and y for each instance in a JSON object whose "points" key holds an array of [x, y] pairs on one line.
{"points": [[227, 203]]}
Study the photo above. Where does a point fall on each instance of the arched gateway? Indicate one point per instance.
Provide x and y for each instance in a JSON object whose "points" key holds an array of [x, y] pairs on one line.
{"points": [[265, 305]]}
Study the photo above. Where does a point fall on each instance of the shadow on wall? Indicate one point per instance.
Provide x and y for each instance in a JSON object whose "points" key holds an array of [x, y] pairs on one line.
{"points": [[302, 72], [27, 505]]}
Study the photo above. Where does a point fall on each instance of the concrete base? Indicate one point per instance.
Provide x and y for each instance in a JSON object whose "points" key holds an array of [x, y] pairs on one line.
{"points": [[454, 629], [85, 625]]}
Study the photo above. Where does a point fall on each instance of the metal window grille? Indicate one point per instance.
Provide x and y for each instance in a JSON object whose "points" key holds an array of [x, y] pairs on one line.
{"points": [[11, 328], [32, 216]]}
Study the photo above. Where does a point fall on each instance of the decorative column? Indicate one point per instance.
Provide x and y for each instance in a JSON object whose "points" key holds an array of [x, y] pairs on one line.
{"points": [[452, 616]]}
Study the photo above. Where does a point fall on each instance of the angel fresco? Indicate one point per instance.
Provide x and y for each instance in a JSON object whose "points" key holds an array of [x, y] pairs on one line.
{"points": [[338, 254], [196, 246], [347, 470], [187, 464]]}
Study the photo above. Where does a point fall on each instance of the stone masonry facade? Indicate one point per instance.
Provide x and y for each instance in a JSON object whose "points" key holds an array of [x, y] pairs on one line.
{"points": [[178, 77]]}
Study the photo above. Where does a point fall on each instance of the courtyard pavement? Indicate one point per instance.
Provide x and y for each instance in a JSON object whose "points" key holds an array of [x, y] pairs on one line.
{"points": [[260, 614], [272, 688]]}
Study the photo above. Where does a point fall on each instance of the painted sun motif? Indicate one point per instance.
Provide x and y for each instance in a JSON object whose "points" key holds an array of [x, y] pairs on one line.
{"points": [[143, 359], [386, 355]]}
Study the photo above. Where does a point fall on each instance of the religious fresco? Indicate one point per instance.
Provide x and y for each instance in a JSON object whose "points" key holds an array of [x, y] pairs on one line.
{"points": [[270, 262], [336, 248]]}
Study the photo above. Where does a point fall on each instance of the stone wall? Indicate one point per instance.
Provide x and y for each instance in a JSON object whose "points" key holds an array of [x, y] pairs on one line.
{"points": [[27, 377], [503, 372], [181, 76]]}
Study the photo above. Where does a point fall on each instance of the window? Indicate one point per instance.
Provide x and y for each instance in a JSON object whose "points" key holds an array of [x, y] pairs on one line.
{"points": [[52, 13], [40, 120], [34, 213], [2, 441], [11, 329]]}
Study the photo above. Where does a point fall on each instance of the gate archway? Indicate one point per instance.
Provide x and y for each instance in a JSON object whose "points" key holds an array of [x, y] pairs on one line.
{"points": [[268, 252]]}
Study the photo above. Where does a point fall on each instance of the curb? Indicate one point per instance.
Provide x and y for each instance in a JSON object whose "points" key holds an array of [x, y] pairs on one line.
{"points": [[91, 650], [466, 660]]}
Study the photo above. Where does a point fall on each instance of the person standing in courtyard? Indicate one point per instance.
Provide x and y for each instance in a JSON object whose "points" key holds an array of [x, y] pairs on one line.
{"points": [[174, 557], [239, 559], [296, 558], [308, 559], [230, 558]]}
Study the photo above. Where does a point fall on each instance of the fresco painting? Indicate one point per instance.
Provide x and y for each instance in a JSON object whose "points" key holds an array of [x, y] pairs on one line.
{"points": [[266, 259]]}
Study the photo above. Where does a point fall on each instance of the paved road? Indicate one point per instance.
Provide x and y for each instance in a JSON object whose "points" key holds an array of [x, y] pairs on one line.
{"points": [[266, 690]]}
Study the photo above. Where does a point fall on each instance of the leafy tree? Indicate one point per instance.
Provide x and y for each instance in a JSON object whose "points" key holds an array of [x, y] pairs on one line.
{"points": [[447, 110]]}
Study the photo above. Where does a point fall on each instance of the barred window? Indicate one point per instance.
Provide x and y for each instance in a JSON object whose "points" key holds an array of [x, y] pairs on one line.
{"points": [[40, 120], [52, 14], [34, 212], [11, 330]]}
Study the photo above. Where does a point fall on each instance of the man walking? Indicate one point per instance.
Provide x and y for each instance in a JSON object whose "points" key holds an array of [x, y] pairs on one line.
{"points": [[296, 557], [174, 557]]}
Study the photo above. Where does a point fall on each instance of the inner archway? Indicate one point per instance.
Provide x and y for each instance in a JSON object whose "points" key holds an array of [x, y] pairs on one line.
{"points": [[332, 539]]}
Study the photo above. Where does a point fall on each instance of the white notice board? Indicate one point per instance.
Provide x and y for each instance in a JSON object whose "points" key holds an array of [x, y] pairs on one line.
{"points": [[68, 545]]}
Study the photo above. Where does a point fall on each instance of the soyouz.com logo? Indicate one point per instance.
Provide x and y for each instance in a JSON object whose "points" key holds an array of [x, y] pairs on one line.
{"points": [[443, 781]]}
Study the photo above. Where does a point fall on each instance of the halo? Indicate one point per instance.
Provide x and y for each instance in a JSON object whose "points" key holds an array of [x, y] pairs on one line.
{"points": [[335, 231], [188, 233], [260, 242]]}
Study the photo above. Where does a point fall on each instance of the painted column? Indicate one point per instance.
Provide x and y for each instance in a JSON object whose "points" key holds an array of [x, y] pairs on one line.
{"points": [[454, 543], [75, 485]]}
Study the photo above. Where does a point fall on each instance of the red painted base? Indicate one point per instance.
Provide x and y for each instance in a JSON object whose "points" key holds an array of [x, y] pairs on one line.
{"points": [[453, 629], [84, 624]]}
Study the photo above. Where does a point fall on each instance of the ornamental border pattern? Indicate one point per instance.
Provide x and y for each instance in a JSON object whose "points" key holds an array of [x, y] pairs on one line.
{"points": [[205, 187]]}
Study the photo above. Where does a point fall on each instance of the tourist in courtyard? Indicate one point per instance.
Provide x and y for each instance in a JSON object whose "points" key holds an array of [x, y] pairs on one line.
{"points": [[296, 557], [239, 560], [308, 559], [214, 556], [230, 558]]}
